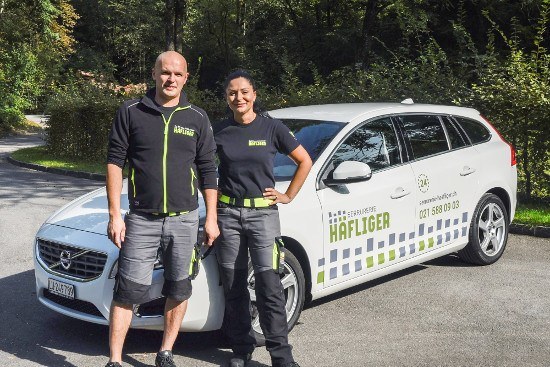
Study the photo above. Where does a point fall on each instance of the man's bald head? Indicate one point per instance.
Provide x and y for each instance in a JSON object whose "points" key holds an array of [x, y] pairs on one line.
{"points": [[170, 75], [170, 56]]}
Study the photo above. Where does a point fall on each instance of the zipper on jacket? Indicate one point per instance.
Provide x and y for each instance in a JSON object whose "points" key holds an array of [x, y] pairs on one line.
{"points": [[164, 155], [193, 177], [133, 181]]}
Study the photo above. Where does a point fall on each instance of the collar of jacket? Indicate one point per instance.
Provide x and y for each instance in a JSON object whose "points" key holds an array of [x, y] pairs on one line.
{"points": [[149, 100]]}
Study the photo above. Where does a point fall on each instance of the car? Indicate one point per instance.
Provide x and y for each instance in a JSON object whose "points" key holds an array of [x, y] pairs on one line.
{"points": [[392, 185]]}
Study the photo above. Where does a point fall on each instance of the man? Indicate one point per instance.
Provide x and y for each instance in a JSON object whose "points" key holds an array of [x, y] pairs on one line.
{"points": [[167, 142]]}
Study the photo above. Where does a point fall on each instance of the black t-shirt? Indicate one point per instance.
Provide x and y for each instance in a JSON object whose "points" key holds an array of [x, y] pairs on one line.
{"points": [[166, 111], [246, 154]]}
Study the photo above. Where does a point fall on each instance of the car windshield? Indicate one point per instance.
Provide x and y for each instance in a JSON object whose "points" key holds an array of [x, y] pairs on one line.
{"points": [[314, 135]]}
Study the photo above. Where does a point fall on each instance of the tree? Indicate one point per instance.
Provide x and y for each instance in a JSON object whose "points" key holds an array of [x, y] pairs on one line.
{"points": [[35, 39], [515, 93]]}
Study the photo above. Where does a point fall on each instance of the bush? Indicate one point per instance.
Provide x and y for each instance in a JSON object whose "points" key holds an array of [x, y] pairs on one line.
{"points": [[515, 94], [80, 121]]}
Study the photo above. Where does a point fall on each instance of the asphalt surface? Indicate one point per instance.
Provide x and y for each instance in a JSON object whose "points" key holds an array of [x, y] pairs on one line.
{"points": [[442, 313]]}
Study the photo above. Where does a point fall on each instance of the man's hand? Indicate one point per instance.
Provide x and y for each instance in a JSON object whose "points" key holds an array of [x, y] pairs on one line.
{"points": [[116, 230], [211, 232]]}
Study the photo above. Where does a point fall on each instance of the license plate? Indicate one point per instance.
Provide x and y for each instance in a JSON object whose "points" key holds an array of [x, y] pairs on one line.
{"points": [[61, 289]]}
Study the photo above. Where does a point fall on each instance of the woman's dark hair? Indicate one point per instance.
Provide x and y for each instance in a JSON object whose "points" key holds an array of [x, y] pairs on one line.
{"points": [[241, 73]]}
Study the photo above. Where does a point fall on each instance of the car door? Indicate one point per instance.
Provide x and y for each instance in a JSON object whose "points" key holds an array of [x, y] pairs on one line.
{"points": [[366, 224], [445, 171]]}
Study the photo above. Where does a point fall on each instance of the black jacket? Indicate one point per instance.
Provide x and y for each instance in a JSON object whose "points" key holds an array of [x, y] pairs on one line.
{"points": [[167, 158]]}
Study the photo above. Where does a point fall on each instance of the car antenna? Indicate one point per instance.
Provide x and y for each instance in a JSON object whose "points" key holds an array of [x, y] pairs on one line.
{"points": [[407, 101]]}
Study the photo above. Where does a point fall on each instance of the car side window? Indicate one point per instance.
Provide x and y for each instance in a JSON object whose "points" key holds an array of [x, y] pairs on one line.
{"points": [[474, 129], [425, 133], [374, 143], [454, 136]]}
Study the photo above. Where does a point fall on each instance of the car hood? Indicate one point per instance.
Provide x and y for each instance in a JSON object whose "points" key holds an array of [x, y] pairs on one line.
{"points": [[89, 213]]}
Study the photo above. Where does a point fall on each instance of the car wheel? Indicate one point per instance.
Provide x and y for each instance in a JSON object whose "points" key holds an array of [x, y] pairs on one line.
{"points": [[488, 232], [294, 288]]}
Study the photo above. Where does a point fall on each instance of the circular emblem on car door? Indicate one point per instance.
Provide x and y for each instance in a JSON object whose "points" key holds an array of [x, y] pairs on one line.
{"points": [[423, 183], [65, 259]]}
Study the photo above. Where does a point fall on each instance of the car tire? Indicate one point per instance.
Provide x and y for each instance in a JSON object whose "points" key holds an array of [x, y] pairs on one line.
{"points": [[294, 285], [488, 232]]}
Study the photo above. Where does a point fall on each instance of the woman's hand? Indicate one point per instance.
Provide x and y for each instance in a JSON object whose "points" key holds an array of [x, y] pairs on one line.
{"points": [[276, 197]]}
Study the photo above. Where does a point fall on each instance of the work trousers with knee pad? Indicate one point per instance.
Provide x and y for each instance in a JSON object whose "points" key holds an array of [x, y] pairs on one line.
{"points": [[252, 230]]}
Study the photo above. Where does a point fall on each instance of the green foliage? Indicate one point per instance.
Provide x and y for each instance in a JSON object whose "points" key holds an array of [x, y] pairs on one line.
{"points": [[425, 79], [466, 52], [41, 156], [537, 214], [35, 37], [515, 95], [80, 120]]}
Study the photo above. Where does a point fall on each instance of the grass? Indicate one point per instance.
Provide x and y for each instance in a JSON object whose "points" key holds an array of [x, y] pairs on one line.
{"points": [[533, 214], [39, 155]]}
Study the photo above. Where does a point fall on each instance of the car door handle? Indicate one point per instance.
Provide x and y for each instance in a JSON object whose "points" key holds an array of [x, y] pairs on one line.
{"points": [[467, 171], [399, 193]]}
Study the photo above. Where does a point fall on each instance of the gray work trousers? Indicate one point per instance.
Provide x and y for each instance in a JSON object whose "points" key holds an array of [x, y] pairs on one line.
{"points": [[253, 230]]}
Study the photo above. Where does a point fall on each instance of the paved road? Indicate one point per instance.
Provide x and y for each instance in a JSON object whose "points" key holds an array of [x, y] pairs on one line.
{"points": [[442, 313]]}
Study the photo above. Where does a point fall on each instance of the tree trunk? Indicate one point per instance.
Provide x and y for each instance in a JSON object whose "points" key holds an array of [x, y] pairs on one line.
{"points": [[366, 31], [169, 25], [241, 16], [174, 17], [179, 17]]}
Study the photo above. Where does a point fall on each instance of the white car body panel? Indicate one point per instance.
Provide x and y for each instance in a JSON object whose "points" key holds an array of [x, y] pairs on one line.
{"points": [[331, 266]]}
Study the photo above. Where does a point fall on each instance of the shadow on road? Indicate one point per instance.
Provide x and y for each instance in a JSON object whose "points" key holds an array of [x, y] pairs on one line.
{"points": [[451, 260], [19, 185], [20, 141], [35, 333]]}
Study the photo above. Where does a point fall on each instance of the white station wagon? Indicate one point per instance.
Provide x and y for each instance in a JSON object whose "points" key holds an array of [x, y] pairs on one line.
{"points": [[392, 185]]}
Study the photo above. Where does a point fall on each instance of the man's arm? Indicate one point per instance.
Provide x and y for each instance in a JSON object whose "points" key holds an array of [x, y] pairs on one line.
{"points": [[116, 228], [211, 230], [206, 166]]}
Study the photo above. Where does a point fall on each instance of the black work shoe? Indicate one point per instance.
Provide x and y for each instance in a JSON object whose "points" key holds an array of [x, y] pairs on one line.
{"points": [[113, 364], [240, 360], [165, 359]]}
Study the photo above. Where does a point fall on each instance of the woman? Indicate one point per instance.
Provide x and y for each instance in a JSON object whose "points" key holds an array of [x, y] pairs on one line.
{"points": [[249, 220]]}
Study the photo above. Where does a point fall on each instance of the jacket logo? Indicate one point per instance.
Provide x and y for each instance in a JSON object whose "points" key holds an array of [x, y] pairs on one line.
{"points": [[257, 143], [183, 130]]}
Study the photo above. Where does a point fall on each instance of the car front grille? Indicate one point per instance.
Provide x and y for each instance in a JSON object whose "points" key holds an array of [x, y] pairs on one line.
{"points": [[71, 261], [74, 304]]}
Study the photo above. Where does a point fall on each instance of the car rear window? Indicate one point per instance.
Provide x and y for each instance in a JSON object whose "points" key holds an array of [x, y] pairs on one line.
{"points": [[425, 133], [474, 129]]}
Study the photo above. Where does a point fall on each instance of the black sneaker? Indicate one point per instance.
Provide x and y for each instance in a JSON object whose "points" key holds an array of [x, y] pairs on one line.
{"points": [[165, 359], [240, 360], [113, 364]]}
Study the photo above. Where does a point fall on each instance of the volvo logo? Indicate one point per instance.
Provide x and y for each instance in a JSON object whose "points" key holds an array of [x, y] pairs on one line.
{"points": [[65, 259]]}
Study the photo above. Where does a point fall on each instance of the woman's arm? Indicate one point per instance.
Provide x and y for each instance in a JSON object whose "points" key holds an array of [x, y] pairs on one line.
{"points": [[301, 157]]}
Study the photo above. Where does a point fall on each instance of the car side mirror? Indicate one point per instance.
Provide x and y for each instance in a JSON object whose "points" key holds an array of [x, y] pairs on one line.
{"points": [[349, 172]]}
